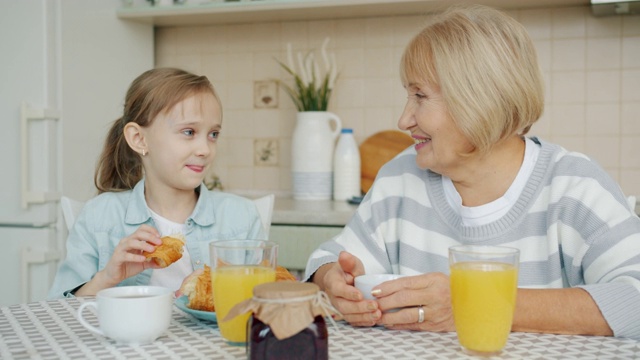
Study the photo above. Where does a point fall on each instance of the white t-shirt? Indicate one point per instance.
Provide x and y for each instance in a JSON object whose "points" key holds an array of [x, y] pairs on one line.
{"points": [[172, 276], [487, 213]]}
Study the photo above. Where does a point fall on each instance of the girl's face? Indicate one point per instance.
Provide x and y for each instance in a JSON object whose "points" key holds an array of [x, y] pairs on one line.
{"points": [[182, 143], [438, 141]]}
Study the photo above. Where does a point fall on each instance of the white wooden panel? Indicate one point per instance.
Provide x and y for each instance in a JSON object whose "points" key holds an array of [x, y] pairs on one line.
{"points": [[101, 55], [296, 243]]}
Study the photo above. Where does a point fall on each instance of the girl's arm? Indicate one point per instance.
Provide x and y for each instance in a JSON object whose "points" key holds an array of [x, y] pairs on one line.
{"points": [[126, 261]]}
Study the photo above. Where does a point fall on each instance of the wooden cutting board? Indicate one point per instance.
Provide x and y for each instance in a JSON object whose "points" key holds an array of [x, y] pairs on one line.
{"points": [[377, 150]]}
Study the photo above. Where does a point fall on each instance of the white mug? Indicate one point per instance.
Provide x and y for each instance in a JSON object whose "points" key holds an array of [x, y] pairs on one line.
{"points": [[131, 314], [365, 283]]}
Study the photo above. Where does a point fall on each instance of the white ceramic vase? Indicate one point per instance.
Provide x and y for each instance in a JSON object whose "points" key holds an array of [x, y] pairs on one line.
{"points": [[312, 147]]}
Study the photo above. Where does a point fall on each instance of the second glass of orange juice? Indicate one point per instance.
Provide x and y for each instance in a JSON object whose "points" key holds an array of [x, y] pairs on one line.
{"points": [[484, 281], [237, 266]]}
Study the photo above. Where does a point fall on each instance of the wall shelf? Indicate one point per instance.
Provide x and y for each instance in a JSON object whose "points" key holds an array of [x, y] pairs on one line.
{"points": [[209, 13]]}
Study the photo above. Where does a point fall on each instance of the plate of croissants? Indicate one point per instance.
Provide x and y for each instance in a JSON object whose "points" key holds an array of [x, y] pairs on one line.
{"points": [[197, 299], [182, 304]]}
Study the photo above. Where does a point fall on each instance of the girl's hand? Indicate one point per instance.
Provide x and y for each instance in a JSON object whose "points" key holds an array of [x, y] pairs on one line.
{"points": [[127, 259], [431, 291], [337, 282]]}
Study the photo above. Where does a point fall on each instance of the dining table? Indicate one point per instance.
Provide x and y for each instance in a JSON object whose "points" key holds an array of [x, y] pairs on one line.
{"points": [[50, 330]]}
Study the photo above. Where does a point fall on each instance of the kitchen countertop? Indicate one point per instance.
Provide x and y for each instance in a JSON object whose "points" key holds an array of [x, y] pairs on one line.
{"points": [[288, 211]]}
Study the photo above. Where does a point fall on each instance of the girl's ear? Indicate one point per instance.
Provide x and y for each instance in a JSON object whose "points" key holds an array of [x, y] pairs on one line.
{"points": [[134, 135]]}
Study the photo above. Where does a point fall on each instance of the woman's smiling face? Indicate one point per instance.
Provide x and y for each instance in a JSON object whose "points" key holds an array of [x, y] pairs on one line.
{"points": [[439, 143]]}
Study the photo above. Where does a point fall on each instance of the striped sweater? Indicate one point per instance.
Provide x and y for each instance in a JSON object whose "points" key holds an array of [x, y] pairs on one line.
{"points": [[572, 224]]}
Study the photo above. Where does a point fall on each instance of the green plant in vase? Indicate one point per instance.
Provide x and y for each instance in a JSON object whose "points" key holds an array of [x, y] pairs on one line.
{"points": [[312, 86]]}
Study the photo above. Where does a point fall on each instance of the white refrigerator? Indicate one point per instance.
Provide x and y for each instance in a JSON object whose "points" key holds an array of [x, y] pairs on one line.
{"points": [[65, 67], [30, 161]]}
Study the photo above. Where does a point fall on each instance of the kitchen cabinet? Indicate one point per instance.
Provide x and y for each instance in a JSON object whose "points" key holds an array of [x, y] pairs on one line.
{"points": [[297, 242], [300, 226], [195, 12]]}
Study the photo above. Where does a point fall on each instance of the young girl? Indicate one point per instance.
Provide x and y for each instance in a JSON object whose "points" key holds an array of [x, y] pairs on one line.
{"points": [[150, 182]]}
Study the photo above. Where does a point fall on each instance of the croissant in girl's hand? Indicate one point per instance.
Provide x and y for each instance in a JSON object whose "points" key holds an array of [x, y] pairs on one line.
{"points": [[169, 252]]}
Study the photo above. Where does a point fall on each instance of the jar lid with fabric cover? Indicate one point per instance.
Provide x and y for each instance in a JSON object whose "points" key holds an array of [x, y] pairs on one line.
{"points": [[287, 307]]}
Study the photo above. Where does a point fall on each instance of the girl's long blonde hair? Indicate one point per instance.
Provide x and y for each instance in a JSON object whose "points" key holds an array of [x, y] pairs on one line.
{"points": [[154, 91]]}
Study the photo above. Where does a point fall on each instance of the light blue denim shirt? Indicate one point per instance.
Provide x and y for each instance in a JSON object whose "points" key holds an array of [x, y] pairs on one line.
{"points": [[109, 217]]}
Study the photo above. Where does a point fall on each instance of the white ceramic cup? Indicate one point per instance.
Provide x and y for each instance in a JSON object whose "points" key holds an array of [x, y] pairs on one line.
{"points": [[365, 283], [131, 314]]}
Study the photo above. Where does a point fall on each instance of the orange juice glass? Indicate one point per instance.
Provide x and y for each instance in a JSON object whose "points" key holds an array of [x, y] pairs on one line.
{"points": [[484, 281], [237, 266]]}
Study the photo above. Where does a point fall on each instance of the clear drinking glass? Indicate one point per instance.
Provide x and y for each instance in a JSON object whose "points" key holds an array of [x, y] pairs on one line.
{"points": [[484, 281], [236, 267]]}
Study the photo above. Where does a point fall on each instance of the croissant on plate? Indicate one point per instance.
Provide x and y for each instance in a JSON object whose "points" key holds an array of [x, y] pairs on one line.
{"points": [[168, 252], [200, 292], [198, 289], [283, 274]]}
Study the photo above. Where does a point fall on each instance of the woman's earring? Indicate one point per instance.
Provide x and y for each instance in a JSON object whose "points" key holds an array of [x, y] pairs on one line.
{"points": [[144, 152]]}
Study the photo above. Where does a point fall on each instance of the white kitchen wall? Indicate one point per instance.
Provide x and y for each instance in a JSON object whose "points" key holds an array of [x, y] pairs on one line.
{"points": [[591, 67]]}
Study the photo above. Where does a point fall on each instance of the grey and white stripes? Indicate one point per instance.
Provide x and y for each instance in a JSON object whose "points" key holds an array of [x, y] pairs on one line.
{"points": [[571, 223]]}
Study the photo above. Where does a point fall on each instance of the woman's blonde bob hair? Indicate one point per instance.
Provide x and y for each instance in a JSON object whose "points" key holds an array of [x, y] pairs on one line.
{"points": [[485, 66]]}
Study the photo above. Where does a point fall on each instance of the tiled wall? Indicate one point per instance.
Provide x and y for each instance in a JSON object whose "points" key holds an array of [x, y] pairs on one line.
{"points": [[591, 67]]}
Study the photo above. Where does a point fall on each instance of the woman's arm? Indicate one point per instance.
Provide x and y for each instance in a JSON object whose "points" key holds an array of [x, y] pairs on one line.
{"points": [[559, 311], [556, 311]]}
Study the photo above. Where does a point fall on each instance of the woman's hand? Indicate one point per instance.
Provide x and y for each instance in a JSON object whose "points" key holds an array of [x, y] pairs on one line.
{"points": [[336, 280], [431, 292]]}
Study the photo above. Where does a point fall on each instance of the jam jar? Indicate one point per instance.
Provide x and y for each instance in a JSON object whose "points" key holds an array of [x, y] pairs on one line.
{"points": [[287, 322], [310, 343]]}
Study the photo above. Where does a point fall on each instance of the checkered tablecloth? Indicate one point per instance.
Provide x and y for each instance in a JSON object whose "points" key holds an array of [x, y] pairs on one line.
{"points": [[50, 330]]}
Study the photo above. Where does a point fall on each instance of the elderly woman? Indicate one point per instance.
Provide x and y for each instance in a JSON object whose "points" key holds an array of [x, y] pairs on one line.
{"points": [[474, 90]]}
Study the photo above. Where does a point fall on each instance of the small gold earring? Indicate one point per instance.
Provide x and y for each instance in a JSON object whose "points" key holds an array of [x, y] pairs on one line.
{"points": [[144, 152]]}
